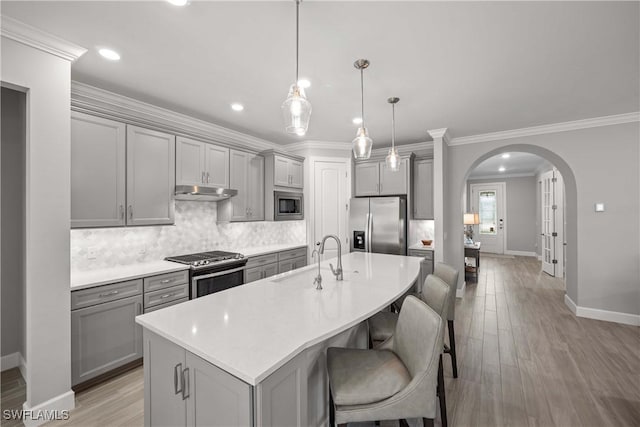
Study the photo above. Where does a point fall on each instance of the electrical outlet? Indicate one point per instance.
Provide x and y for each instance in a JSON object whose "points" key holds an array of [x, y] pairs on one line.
{"points": [[92, 252]]}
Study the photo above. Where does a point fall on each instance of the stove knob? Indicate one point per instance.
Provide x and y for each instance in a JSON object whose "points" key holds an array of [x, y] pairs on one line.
{"points": [[205, 262]]}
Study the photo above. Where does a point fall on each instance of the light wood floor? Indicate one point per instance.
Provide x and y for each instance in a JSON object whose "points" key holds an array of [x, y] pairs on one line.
{"points": [[523, 360]]}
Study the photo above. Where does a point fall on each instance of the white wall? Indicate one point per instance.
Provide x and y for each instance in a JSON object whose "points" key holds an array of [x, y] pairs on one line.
{"points": [[13, 232], [598, 164], [48, 317], [520, 211]]}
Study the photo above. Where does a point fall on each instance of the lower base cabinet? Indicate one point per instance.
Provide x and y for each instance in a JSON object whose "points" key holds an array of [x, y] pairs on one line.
{"points": [[182, 389], [292, 264], [426, 265], [104, 336]]}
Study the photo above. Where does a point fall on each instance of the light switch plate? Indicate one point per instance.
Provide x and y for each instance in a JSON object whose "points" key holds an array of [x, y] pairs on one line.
{"points": [[599, 207]]}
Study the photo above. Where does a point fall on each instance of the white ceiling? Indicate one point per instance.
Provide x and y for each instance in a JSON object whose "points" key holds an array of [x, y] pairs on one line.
{"points": [[518, 164], [474, 67]]}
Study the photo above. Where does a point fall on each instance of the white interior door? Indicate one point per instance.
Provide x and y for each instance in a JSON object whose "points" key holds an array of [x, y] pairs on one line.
{"points": [[488, 200], [552, 233], [330, 207]]}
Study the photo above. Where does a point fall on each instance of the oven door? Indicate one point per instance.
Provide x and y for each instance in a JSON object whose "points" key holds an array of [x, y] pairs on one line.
{"points": [[288, 206], [204, 284]]}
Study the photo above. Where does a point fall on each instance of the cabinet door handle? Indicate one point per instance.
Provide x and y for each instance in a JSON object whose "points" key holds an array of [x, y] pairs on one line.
{"points": [[121, 212], [176, 382], [108, 294], [139, 308], [185, 384], [207, 177], [130, 212], [202, 179], [165, 296], [166, 281]]}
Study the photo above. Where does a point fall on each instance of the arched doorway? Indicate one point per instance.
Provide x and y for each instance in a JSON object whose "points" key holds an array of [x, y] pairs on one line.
{"points": [[570, 209]]}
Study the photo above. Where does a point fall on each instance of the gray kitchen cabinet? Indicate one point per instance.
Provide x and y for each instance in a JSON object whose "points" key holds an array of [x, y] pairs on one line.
{"points": [[291, 264], [270, 270], [150, 176], [98, 165], [183, 389], [104, 337], [375, 179], [201, 163], [246, 176], [423, 189], [287, 171], [367, 176], [426, 265], [253, 274]]}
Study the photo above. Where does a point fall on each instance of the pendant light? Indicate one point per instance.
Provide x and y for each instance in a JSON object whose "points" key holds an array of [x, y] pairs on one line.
{"points": [[393, 159], [362, 143], [296, 110]]}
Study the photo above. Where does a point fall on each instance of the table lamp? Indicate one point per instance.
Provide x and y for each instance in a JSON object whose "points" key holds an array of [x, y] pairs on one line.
{"points": [[470, 219]]}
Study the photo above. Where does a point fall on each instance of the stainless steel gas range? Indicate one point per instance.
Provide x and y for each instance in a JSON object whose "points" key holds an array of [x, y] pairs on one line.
{"points": [[213, 271]]}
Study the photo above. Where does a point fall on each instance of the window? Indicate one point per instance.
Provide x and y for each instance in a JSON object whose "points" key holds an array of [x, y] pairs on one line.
{"points": [[488, 211]]}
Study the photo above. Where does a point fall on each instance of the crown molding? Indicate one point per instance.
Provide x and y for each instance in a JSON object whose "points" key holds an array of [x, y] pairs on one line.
{"points": [[34, 37], [552, 128], [92, 100], [440, 133], [405, 149], [317, 145]]}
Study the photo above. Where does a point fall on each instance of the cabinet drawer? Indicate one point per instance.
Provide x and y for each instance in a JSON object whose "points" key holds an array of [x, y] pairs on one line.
{"points": [[262, 260], [99, 294], [421, 253], [164, 296], [165, 280], [293, 253], [165, 305]]}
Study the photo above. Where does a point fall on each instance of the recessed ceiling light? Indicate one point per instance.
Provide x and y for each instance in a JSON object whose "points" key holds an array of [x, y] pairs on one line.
{"points": [[506, 155], [179, 2], [357, 121], [502, 169], [237, 107], [304, 83], [111, 55]]}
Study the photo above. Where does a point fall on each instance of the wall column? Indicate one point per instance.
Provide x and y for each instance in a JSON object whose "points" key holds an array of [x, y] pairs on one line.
{"points": [[440, 148]]}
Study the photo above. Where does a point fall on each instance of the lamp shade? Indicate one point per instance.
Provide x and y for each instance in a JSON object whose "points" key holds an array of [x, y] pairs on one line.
{"points": [[471, 219]]}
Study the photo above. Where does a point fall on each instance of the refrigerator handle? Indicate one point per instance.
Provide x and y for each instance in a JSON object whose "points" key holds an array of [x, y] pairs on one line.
{"points": [[369, 232]]}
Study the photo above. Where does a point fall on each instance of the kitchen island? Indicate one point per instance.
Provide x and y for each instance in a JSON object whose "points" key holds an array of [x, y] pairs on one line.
{"points": [[255, 354]]}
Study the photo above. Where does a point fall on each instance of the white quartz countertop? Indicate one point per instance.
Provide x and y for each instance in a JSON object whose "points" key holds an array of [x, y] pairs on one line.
{"points": [[250, 251], [422, 247], [102, 276], [252, 330]]}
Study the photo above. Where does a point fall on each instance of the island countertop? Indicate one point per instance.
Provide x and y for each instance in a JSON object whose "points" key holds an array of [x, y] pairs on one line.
{"points": [[252, 330]]}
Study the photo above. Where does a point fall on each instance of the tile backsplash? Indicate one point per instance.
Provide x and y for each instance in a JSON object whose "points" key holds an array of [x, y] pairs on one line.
{"points": [[195, 230], [421, 230]]}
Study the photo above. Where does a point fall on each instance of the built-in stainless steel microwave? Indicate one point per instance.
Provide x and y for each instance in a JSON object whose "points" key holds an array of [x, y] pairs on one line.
{"points": [[288, 206]]}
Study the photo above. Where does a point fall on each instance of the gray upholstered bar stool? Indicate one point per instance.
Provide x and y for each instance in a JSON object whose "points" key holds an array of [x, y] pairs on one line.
{"points": [[396, 381], [450, 276]]}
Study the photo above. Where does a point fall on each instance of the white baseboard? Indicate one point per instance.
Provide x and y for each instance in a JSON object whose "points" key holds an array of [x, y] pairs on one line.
{"points": [[10, 361], [539, 257], [598, 314], [64, 402], [520, 253], [460, 292]]}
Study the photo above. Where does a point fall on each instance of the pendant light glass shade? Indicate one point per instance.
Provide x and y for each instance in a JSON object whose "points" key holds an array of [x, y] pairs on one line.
{"points": [[362, 144], [296, 109], [393, 159]]}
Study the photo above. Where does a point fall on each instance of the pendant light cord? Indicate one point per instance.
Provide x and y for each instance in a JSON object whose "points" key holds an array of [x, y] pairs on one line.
{"points": [[393, 126], [362, 95], [297, 37]]}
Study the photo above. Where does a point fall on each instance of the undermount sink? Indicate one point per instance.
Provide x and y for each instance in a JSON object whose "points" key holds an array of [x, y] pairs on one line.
{"points": [[310, 274]]}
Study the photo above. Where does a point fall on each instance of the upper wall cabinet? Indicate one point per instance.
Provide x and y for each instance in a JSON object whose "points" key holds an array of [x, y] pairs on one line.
{"points": [[98, 164], [423, 189], [150, 176], [247, 176], [200, 163], [120, 174], [285, 171], [374, 179]]}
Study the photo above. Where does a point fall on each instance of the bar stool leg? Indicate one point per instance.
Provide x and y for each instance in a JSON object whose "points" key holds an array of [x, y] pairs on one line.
{"points": [[441, 394], [452, 351], [427, 422], [332, 410]]}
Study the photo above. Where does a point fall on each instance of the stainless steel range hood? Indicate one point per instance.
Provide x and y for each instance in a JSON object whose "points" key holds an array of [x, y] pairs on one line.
{"points": [[210, 194]]}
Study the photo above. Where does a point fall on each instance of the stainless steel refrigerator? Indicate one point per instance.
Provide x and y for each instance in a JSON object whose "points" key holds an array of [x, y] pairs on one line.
{"points": [[378, 224]]}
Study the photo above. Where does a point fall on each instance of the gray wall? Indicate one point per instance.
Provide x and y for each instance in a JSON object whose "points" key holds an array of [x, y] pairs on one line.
{"points": [[598, 164], [521, 211], [12, 220]]}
